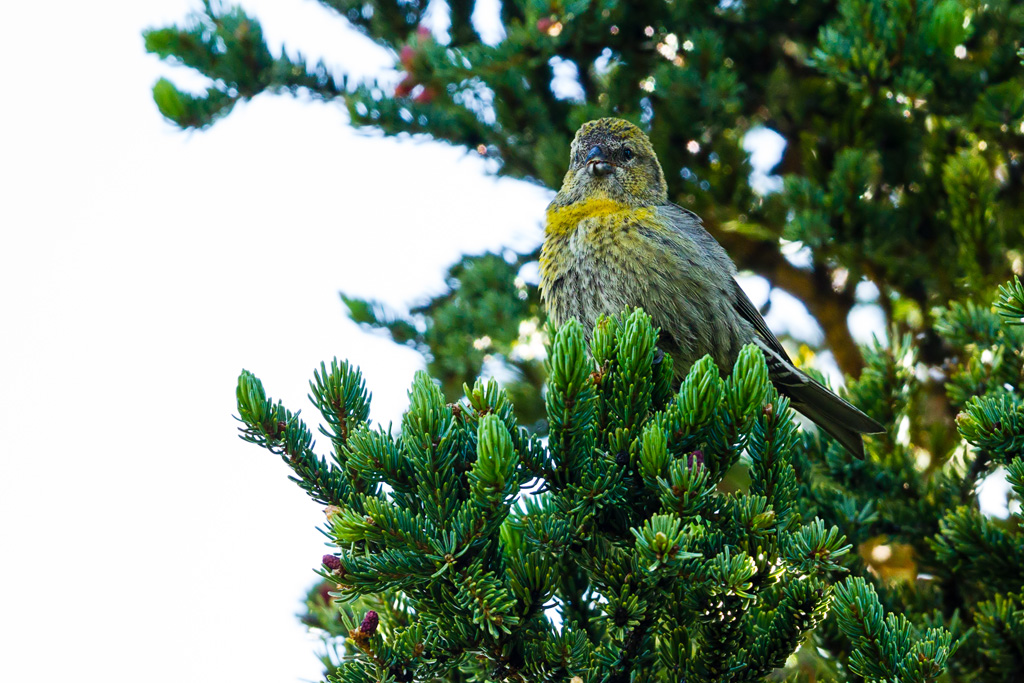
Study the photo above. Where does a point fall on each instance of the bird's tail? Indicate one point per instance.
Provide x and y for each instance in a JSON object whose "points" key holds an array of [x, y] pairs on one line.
{"points": [[837, 417]]}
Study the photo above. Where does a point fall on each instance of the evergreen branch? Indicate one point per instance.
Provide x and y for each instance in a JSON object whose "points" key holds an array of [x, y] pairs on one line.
{"points": [[966, 324], [674, 651], [625, 610], [600, 487], [1000, 631], [986, 371], [631, 387], [682, 423], [488, 398], [341, 397], [699, 398], [571, 404], [633, 656], [722, 635], [476, 580], [274, 427], [749, 524], [493, 480], [886, 649], [380, 17], [812, 550], [860, 617], [654, 455], [1015, 477], [722, 615], [803, 605], [435, 446], [972, 546], [773, 437], [382, 524], [490, 604], [493, 484], [745, 392], [659, 544], [560, 657], [374, 453], [994, 423], [687, 490], [381, 571], [573, 585], [227, 46], [531, 576]]}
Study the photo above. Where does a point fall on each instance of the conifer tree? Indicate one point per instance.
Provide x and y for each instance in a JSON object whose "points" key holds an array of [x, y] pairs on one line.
{"points": [[459, 535], [655, 573], [697, 533]]}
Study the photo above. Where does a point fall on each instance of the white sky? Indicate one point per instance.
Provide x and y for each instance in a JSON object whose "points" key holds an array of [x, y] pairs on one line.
{"points": [[141, 269]]}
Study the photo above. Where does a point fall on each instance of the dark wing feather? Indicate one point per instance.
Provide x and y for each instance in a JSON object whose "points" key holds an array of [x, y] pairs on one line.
{"points": [[844, 421], [745, 307], [780, 366]]}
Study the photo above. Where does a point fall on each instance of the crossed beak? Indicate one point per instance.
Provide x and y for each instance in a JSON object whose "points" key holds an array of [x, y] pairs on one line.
{"points": [[596, 162]]}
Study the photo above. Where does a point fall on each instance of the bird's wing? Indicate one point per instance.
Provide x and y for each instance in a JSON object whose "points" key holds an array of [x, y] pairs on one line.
{"points": [[745, 307], [780, 366]]}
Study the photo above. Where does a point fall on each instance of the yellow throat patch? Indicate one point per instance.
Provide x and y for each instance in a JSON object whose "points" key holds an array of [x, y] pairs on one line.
{"points": [[563, 219]]}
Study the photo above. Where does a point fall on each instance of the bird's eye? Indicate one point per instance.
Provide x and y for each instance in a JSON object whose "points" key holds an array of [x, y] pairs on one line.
{"points": [[627, 154]]}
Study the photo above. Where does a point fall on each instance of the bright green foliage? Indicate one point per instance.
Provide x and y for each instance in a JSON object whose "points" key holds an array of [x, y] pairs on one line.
{"points": [[689, 531], [464, 531], [888, 649], [1011, 302]]}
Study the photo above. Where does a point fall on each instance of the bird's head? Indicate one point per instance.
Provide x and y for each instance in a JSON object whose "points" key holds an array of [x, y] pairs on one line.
{"points": [[613, 159]]}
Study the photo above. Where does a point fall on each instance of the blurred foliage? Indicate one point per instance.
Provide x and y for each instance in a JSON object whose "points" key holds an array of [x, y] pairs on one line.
{"points": [[903, 121]]}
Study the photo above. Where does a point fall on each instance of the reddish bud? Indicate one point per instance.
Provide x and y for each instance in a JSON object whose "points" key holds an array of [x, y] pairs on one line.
{"points": [[426, 96], [369, 625], [406, 55], [695, 458], [423, 32], [404, 88], [332, 563], [544, 24]]}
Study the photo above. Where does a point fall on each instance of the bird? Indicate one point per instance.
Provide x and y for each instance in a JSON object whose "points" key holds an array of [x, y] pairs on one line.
{"points": [[613, 241]]}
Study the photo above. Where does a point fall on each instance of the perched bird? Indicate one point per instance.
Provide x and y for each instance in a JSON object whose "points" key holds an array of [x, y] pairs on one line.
{"points": [[613, 241]]}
